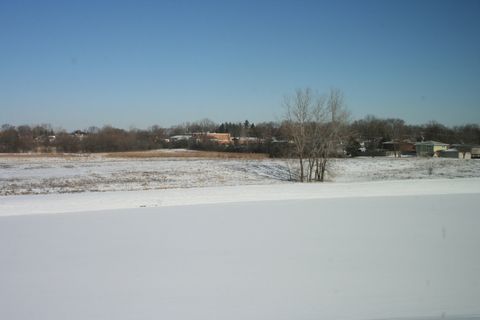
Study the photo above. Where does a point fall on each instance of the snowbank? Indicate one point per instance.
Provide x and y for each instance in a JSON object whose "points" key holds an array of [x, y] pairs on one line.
{"points": [[75, 202], [349, 258]]}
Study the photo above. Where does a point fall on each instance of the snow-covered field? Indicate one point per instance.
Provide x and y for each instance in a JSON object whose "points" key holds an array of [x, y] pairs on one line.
{"points": [[381, 257], [387, 168], [234, 239], [97, 173], [101, 201], [42, 175]]}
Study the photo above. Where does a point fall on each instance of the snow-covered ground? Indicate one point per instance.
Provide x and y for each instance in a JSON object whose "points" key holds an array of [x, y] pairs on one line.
{"points": [[234, 239], [97, 173], [351, 257], [100, 201], [387, 168], [42, 175]]}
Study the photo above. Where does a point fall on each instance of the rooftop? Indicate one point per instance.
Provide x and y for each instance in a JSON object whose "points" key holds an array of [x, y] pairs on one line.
{"points": [[430, 142]]}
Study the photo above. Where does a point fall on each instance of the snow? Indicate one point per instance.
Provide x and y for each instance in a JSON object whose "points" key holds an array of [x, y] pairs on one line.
{"points": [[97, 201], [381, 257], [96, 173], [387, 168], [235, 239], [37, 175]]}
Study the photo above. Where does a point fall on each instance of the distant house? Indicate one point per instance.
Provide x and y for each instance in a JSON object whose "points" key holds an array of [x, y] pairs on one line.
{"points": [[450, 153], [475, 152], [79, 134], [247, 140], [180, 137], [220, 138], [397, 148], [429, 148], [467, 151]]}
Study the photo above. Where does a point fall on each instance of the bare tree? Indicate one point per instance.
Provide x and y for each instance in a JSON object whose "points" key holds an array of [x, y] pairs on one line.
{"points": [[317, 128], [396, 128], [204, 125], [336, 130], [298, 117]]}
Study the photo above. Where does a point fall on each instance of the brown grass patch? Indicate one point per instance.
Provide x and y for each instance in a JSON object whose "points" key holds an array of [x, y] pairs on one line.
{"points": [[67, 156], [141, 155], [186, 154]]}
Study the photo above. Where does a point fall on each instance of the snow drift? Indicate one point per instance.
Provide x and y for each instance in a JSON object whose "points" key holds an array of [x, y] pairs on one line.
{"points": [[334, 258]]}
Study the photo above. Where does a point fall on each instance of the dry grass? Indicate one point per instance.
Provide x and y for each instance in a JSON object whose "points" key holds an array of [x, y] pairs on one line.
{"points": [[67, 156], [186, 154], [140, 155]]}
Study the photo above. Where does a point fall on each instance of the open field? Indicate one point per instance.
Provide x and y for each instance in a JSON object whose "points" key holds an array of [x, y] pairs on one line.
{"points": [[160, 153], [181, 153], [350, 258], [101, 201], [235, 239], [166, 169]]}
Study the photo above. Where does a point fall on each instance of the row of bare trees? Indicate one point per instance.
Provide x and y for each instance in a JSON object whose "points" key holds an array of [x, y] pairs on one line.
{"points": [[373, 131], [317, 126]]}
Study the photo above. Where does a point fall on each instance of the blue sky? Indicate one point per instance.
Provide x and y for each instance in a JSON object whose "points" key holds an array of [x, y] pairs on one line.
{"points": [[138, 63]]}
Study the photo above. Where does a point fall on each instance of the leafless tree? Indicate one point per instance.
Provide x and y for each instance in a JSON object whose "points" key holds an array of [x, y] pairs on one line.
{"points": [[337, 129], [204, 125], [396, 128], [298, 116], [317, 128]]}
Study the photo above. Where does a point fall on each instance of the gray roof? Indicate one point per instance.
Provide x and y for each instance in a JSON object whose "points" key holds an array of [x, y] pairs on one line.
{"points": [[435, 143]]}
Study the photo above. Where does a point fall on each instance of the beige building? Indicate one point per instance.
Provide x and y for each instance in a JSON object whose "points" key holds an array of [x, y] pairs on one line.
{"points": [[220, 138], [429, 148]]}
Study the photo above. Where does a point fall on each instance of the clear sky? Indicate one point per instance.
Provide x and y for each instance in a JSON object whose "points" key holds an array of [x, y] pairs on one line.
{"points": [[138, 63]]}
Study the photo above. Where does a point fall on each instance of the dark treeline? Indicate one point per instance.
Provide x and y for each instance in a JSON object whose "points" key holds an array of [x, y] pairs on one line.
{"points": [[373, 132], [266, 137], [43, 138]]}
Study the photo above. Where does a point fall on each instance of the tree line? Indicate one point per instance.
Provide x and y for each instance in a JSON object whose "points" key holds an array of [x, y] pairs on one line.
{"points": [[373, 132], [44, 138], [303, 132]]}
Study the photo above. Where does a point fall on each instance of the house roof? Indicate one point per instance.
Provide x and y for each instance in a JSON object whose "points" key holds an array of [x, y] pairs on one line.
{"points": [[181, 137], [450, 150], [398, 142], [465, 145], [435, 143]]}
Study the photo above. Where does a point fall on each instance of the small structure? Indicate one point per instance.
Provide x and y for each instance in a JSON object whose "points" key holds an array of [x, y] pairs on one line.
{"points": [[449, 153], [247, 140], [79, 134], [467, 151], [220, 138], [475, 153], [430, 148], [180, 137], [397, 148]]}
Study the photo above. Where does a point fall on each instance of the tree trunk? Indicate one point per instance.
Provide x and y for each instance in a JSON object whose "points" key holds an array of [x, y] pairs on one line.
{"points": [[301, 169], [324, 166]]}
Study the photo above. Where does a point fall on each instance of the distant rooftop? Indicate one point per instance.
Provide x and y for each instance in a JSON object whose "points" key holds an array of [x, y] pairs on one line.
{"points": [[430, 142]]}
